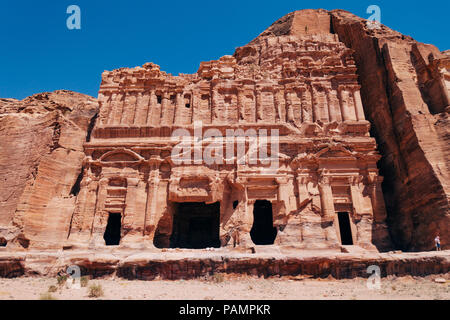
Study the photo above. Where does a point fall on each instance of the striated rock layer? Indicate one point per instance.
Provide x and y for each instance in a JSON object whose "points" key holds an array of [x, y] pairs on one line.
{"points": [[406, 96], [41, 154], [272, 145], [190, 265]]}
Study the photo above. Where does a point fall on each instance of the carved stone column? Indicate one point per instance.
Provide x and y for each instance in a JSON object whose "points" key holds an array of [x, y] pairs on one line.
{"points": [[141, 108], [259, 107], [164, 108], [376, 197], [240, 104], [244, 220], [195, 104], [332, 115], [117, 109], [334, 106], [129, 106], [358, 106], [100, 217], [326, 198], [152, 190], [322, 103], [303, 194], [109, 117], [307, 113], [315, 103], [356, 194], [133, 207], [92, 187], [289, 107], [152, 106], [283, 193], [277, 105], [105, 103], [179, 108], [344, 96], [215, 102]]}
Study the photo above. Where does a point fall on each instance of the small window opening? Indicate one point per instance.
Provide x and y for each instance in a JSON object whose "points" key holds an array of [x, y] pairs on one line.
{"points": [[187, 100]]}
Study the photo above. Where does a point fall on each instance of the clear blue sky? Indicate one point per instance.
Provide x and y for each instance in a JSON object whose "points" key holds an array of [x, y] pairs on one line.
{"points": [[38, 53]]}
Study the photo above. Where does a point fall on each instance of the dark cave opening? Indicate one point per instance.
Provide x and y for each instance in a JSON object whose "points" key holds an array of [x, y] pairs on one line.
{"points": [[113, 229], [77, 185], [345, 228], [263, 231], [196, 226]]}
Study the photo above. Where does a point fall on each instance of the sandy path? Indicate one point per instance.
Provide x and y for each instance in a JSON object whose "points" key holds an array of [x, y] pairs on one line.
{"points": [[234, 288]]}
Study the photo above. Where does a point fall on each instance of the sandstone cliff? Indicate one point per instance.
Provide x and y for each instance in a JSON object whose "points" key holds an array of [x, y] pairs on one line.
{"points": [[405, 92], [41, 154]]}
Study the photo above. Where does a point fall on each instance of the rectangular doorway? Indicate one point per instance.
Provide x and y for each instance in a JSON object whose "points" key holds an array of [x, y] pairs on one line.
{"points": [[113, 229], [263, 232], [196, 226], [345, 228]]}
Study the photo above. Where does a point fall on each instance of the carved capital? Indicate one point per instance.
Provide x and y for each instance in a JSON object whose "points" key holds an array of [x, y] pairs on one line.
{"points": [[282, 180], [303, 179], [132, 182], [103, 181], [355, 180], [372, 178], [324, 180]]}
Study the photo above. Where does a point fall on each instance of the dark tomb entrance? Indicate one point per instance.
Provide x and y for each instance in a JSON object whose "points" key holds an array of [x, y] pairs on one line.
{"points": [[113, 229], [345, 228], [196, 226], [263, 232]]}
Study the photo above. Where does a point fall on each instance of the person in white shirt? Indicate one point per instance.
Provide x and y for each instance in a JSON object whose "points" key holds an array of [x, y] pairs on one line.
{"points": [[437, 241]]}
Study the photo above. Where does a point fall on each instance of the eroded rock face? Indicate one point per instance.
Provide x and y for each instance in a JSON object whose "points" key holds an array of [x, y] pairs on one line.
{"points": [[405, 92], [269, 145], [194, 264], [41, 154]]}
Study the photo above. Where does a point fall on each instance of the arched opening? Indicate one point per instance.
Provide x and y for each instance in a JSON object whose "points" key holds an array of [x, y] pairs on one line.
{"points": [[345, 228], [113, 229], [196, 226], [263, 231]]}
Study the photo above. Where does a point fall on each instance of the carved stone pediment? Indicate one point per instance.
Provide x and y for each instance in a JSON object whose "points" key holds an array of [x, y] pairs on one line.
{"points": [[334, 152], [121, 155]]}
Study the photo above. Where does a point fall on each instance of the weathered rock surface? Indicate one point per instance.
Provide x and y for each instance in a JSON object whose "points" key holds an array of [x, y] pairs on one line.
{"points": [[316, 77], [189, 264], [41, 154], [405, 91]]}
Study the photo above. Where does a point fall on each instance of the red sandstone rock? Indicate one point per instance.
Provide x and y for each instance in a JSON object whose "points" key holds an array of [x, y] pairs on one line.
{"points": [[313, 75], [41, 153], [296, 78], [189, 265], [405, 92]]}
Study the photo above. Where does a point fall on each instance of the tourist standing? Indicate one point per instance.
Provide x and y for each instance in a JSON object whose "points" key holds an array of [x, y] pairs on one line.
{"points": [[437, 241]]}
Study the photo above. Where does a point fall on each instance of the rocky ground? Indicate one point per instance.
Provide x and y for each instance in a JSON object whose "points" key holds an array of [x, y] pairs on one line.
{"points": [[220, 287]]}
